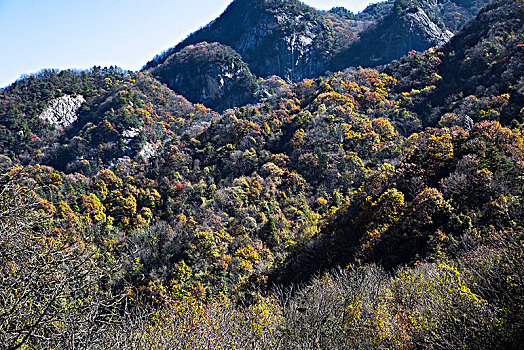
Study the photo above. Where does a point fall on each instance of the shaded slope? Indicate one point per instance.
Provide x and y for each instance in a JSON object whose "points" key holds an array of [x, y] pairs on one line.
{"points": [[289, 39], [479, 71], [394, 36], [209, 73], [486, 58]]}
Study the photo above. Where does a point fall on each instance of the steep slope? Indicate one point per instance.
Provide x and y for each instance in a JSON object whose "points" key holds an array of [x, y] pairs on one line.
{"points": [[209, 73], [394, 36], [445, 183], [289, 39], [294, 41], [480, 70], [486, 59], [451, 15], [274, 37]]}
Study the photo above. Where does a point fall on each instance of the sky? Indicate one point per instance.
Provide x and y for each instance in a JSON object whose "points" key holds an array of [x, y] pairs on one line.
{"points": [[79, 34]]}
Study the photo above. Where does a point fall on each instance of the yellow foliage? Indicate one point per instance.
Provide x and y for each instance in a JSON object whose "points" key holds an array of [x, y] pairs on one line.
{"points": [[440, 147], [321, 201]]}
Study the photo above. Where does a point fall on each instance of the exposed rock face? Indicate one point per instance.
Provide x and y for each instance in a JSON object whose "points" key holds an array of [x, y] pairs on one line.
{"points": [[148, 151], [62, 111], [209, 73], [274, 37], [423, 30], [393, 38], [294, 41], [285, 44], [289, 39], [130, 134]]}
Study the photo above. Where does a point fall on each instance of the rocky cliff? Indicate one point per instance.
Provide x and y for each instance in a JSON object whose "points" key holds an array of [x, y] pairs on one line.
{"points": [[274, 37], [209, 73], [62, 111], [393, 37], [294, 41]]}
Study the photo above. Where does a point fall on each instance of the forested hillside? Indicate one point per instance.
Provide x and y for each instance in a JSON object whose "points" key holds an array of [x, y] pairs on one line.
{"points": [[361, 209]]}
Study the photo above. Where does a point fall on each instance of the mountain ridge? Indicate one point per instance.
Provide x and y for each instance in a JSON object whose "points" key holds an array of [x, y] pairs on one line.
{"points": [[294, 41]]}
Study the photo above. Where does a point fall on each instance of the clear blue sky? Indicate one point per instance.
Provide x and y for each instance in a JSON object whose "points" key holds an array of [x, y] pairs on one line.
{"points": [[37, 34]]}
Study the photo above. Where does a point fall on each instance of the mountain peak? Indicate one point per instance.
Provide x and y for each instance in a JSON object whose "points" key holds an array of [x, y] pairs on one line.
{"points": [[274, 37], [289, 39]]}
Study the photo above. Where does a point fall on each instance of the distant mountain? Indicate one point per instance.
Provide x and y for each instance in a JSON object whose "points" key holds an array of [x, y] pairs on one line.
{"points": [[294, 41], [274, 37], [392, 37]]}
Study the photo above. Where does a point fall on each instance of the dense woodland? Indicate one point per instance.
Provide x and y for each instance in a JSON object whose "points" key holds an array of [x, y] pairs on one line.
{"points": [[364, 209]]}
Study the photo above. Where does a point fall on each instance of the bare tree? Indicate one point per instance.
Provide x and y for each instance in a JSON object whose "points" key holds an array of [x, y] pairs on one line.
{"points": [[53, 287]]}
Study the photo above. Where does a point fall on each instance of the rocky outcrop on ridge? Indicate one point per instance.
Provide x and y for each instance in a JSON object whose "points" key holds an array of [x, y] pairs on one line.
{"points": [[62, 111], [392, 38], [274, 37], [209, 73], [289, 39]]}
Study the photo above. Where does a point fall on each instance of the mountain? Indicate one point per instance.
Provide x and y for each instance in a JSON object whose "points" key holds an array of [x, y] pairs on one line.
{"points": [[486, 59], [392, 37], [457, 91], [478, 69], [289, 39], [364, 208], [274, 37], [210, 73], [451, 15]]}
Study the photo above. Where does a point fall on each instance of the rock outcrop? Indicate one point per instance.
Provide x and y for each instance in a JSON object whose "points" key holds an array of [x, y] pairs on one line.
{"points": [[395, 36], [294, 41], [274, 37], [209, 73], [62, 111], [289, 39]]}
